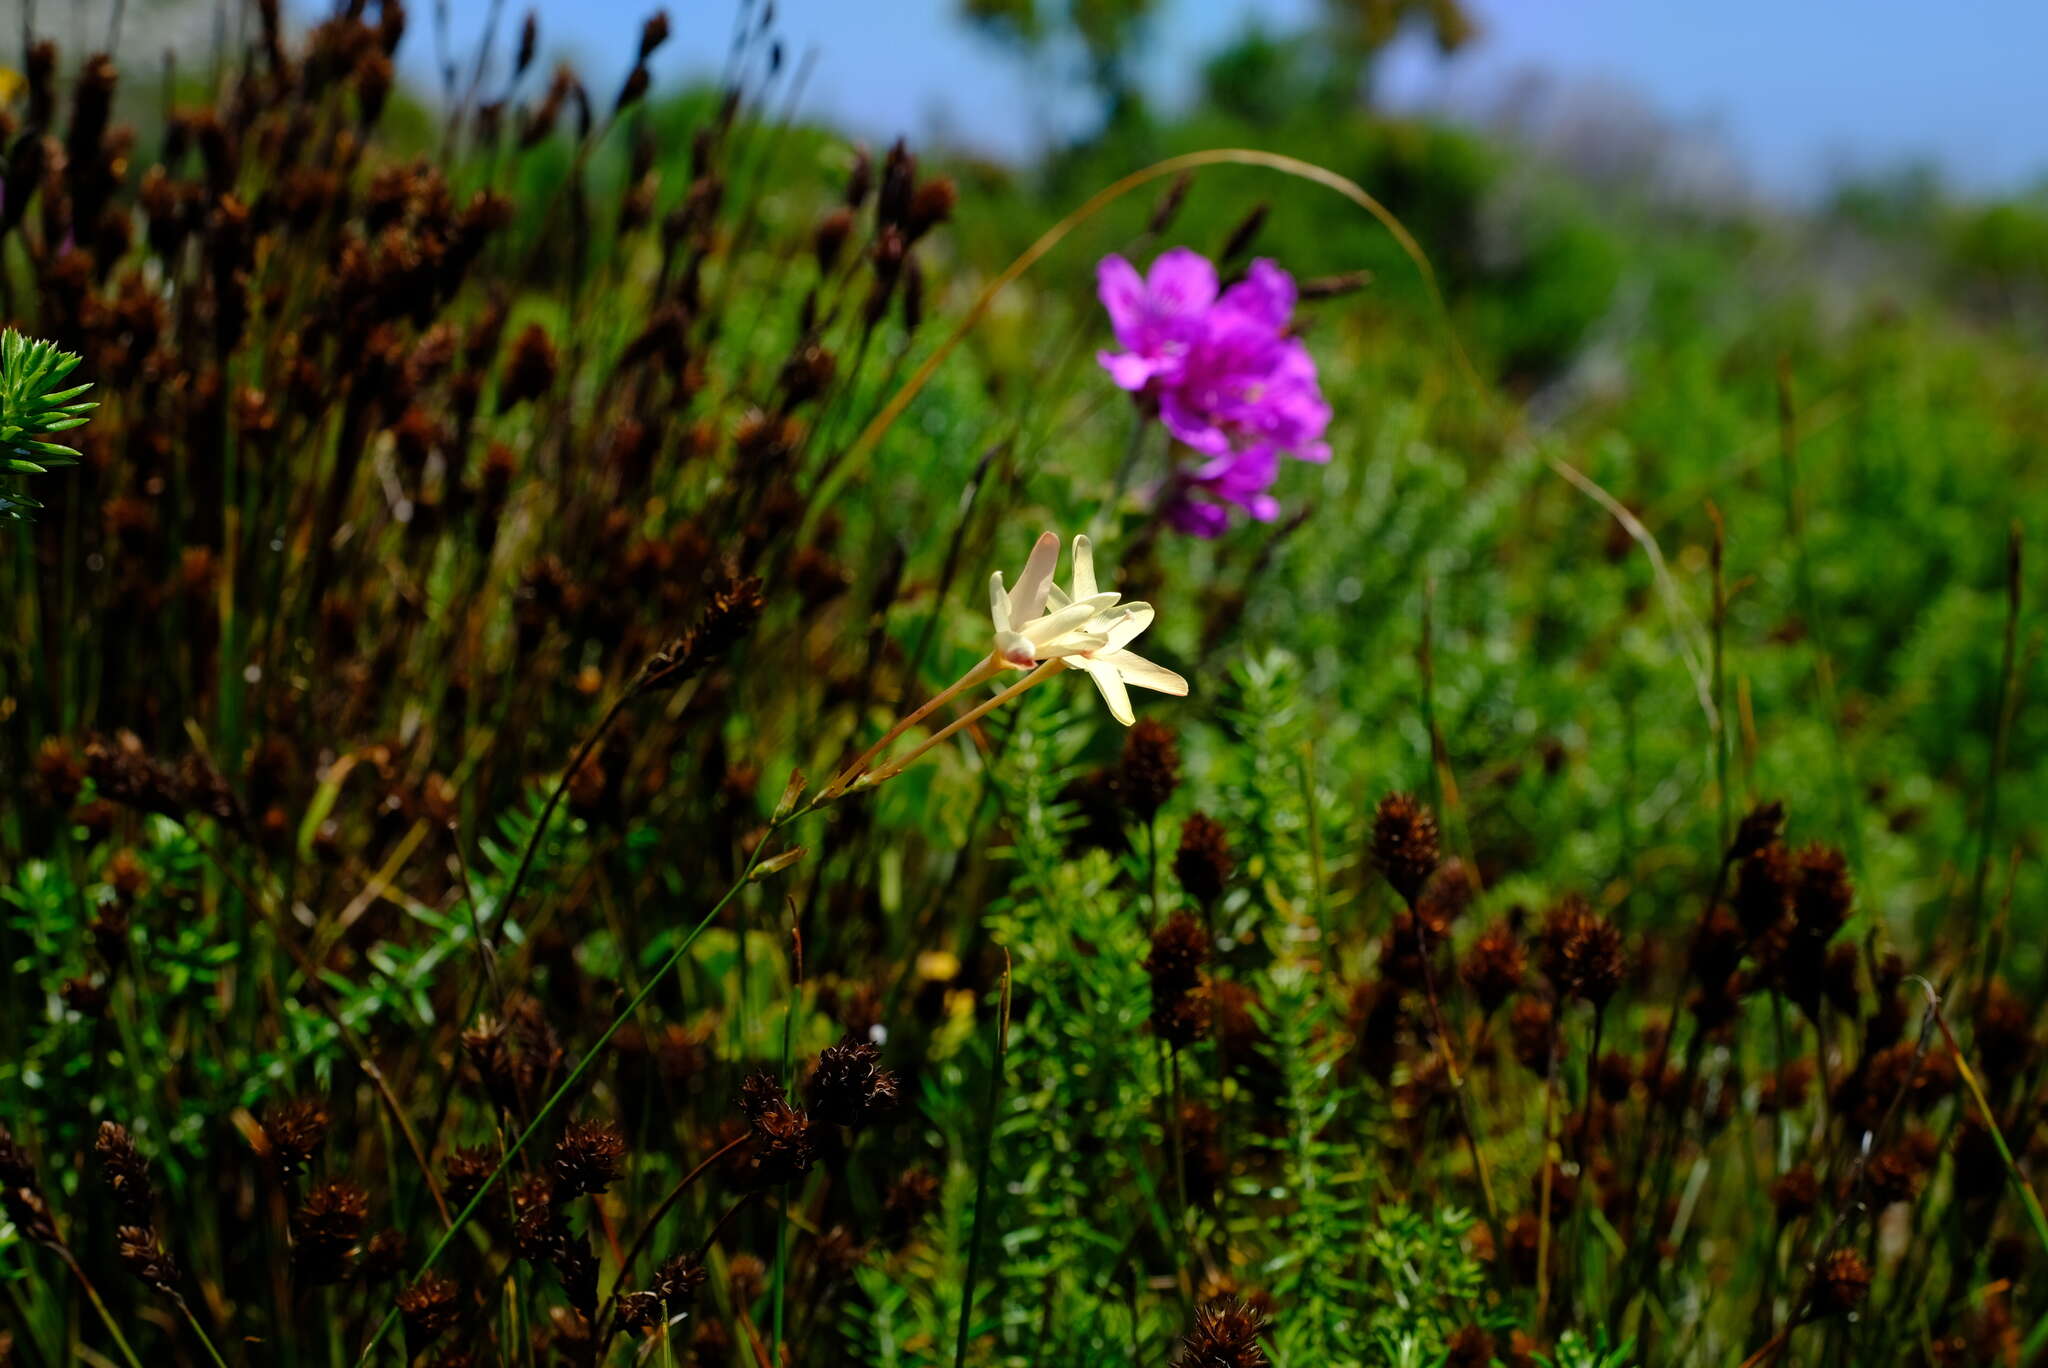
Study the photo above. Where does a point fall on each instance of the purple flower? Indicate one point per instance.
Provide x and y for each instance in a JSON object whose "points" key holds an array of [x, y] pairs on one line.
{"points": [[1223, 376], [1199, 501], [1159, 318]]}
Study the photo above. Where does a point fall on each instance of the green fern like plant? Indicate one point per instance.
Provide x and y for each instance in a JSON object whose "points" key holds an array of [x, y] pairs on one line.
{"points": [[32, 410]]}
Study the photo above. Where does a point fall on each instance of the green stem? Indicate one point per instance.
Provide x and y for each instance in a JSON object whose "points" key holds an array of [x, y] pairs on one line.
{"points": [[92, 1295], [205, 1340]]}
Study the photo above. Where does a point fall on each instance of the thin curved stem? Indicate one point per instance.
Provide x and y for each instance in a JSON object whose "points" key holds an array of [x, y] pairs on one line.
{"points": [[975, 714], [646, 1233], [575, 1076], [987, 669], [547, 813], [92, 1295]]}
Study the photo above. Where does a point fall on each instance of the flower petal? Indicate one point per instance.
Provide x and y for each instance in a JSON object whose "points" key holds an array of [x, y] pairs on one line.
{"points": [[1068, 644], [1181, 281], [1113, 692], [1130, 620], [1128, 370], [1135, 669], [1084, 567], [1122, 292], [1027, 600], [998, 603], [1070, 618]]}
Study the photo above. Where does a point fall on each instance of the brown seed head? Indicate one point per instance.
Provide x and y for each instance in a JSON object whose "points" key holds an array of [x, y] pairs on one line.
{"points": [[1471, 1347], [1203, 863], [1840, 1283], [678, 1279], [1763, 890], [125, 1172], [295, 1130], [912, 1197], [587, 1160], [849, 1088], [141, 1253], [1760, 828], [1533, 1031], [430, 1308], [1226, 1335], [1821, 896], [1494, 966], [1149, 771], [1404, 843]]}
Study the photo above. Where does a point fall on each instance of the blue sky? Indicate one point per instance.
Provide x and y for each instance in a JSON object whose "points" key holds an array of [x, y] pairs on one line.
{"points": [[1797, 89]]}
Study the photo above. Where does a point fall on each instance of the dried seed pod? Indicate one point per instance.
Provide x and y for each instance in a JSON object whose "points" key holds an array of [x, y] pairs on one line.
{"points": [[430, 1308], [295, 1130], [1226, 1335], [1203, 863], [125, 1172], [1149, 771], [587, 1160], [1494, 966], [848, 1087], [1840, 1283], [1404, 843]]}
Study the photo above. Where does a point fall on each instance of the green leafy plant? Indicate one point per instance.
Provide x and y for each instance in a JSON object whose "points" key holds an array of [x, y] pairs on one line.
{"points": [[33, 409]]}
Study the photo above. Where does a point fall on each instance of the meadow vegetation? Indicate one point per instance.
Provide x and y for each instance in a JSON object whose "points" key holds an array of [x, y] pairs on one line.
{"points": [[1583, 911]]}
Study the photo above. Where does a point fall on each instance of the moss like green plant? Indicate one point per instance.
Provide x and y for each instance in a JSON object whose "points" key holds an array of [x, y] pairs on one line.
{"points": [[33, 409]]}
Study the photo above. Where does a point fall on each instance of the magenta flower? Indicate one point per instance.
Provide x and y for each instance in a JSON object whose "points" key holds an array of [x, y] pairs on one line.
{"points": [[1223, 377], [1159, 318]]}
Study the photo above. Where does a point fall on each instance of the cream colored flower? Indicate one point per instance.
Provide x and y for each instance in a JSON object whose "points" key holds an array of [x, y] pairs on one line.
{"points": [[1025, 634], [1116, 624]]}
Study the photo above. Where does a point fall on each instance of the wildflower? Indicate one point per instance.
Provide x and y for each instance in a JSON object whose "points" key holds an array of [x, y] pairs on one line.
{"points": [[1108, 663], [1158, 318], [1041, 629], [1025, 634], [1222, 374]]}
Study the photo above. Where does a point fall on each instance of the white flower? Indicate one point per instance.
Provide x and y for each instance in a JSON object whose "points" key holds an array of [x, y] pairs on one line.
{"points": [[1025, 634], [1116, 625]]}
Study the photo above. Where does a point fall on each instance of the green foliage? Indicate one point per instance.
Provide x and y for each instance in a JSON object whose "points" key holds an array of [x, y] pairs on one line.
{"points": [[33, 409]]}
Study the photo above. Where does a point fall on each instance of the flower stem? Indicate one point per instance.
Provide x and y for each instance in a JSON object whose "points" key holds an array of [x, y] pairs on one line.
{"points": [[1038, 676], [987, 669]]}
